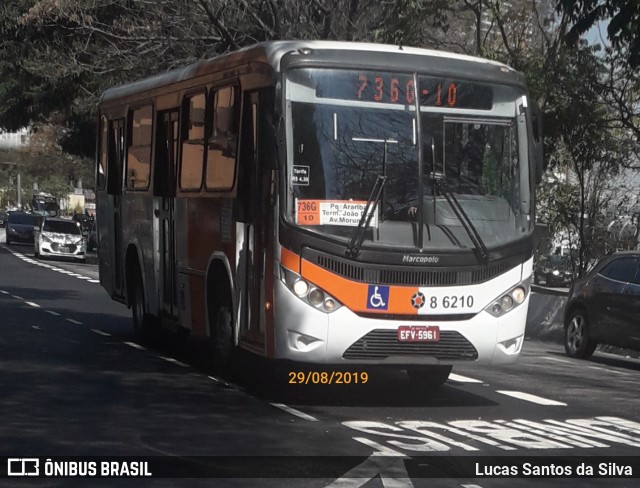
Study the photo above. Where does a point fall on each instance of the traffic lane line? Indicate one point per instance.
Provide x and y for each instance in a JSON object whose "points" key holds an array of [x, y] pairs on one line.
{"points": [[463, 379], [528, 397], [295, 412]]}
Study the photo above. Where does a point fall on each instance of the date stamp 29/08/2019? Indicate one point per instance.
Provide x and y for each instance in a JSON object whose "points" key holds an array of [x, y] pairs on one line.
{"points": [[328, 377]]}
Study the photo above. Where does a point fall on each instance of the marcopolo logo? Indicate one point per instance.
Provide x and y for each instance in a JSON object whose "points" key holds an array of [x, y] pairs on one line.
{"points": [[23, 467], [412, 259]]}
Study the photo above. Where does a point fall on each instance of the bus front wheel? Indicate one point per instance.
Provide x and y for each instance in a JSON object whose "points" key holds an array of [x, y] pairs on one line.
{"points": [[429, 378], [222, 335], [142, 322]]}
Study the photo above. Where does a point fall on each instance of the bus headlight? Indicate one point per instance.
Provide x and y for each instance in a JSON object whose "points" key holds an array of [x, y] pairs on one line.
{"points": [[300, 288], [509, 300], [316, 297], [311, 294]]}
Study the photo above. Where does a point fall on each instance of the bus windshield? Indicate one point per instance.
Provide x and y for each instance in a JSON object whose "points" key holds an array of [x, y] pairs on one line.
{"points": [[46, 205], [345, 128]]}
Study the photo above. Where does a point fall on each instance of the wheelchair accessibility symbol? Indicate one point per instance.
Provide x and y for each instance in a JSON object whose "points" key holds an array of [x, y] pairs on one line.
{"points": [[378, 297]]}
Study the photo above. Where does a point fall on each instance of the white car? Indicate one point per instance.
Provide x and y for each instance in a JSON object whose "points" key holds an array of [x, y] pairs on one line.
{"points": [[60, 238]]}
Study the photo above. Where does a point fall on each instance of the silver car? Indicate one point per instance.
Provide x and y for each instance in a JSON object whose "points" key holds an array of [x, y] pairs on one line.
{"points": [[60, 238]]}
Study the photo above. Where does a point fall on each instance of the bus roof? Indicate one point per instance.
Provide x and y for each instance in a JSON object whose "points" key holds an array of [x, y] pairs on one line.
{"points": [[271, 52]]}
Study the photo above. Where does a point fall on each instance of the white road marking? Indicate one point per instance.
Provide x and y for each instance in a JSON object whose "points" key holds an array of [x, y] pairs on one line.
{"points": [[295, 412], [608, 370], [471, 486], [174, 361], [463, 379], [53, 313], [4, 292], [385, 464], [517, 434], [222, 382], [27, 259], [136, 346], [74, 321], [549, 358], [98, 331], [34, 305], [17, 297], [37, 327], [531, 398]]}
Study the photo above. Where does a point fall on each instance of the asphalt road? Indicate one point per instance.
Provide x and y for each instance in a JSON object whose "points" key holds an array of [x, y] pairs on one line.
{"points": [[75, 383]]}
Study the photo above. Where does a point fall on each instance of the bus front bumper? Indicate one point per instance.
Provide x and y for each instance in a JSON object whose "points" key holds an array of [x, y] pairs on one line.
{"points": [[306, 334]]}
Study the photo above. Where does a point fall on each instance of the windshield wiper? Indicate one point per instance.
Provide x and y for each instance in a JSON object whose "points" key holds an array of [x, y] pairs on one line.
{"points": [[355, 242], [440, 184]]}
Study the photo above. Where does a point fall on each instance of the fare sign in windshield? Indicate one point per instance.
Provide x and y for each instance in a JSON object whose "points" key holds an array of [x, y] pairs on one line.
{"points": [[331, 212]]}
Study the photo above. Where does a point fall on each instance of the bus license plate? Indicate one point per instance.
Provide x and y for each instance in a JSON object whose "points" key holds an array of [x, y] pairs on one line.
{"points": [[418, 333]]}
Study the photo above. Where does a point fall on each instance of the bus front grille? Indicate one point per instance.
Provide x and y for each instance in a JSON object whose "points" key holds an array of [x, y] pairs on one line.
{"points": [[409, 275], [382, 343]]}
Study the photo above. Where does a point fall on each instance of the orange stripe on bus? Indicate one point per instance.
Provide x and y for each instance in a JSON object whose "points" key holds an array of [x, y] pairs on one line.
{"points": [[354, 294], [290, 260]]}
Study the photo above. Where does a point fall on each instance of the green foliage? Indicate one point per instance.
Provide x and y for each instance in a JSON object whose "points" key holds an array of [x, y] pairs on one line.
{"points": [[623, 29]]}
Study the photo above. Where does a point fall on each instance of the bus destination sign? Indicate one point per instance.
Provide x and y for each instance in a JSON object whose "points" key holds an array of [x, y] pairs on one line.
{"points": [[398, 88]]}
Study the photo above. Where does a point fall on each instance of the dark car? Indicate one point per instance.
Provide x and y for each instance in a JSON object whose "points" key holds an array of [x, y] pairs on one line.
{"points": [[85, 222], [554, 270], [20, 227], [3, 219], [604, 306]]}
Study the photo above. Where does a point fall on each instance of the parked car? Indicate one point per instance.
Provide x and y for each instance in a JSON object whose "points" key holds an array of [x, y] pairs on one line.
{"points": [[3, 219], [604, 306], [20, 227], [60, 238], [554, 270]]}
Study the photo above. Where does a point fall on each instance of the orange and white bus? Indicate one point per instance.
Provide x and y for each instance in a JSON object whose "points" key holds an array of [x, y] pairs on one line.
{"points": [[324, 202]]}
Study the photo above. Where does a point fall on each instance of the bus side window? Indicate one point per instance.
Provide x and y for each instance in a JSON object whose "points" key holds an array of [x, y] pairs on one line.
{"points": [[101, 174], [115, 153], [223, 141], [139, 150], [192, 161]]}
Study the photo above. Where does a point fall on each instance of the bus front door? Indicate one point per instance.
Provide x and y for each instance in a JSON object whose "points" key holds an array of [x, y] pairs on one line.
{"points": [[164, 183], [112, 267]]}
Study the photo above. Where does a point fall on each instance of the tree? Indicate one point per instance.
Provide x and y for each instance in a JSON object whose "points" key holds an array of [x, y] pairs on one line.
{"points": [[588, 152], [623, 18]]}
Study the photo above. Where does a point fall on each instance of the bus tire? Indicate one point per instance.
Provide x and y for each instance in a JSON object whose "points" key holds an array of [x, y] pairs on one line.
{"points": [[429, 378], [143, 323], [222, 335]]}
